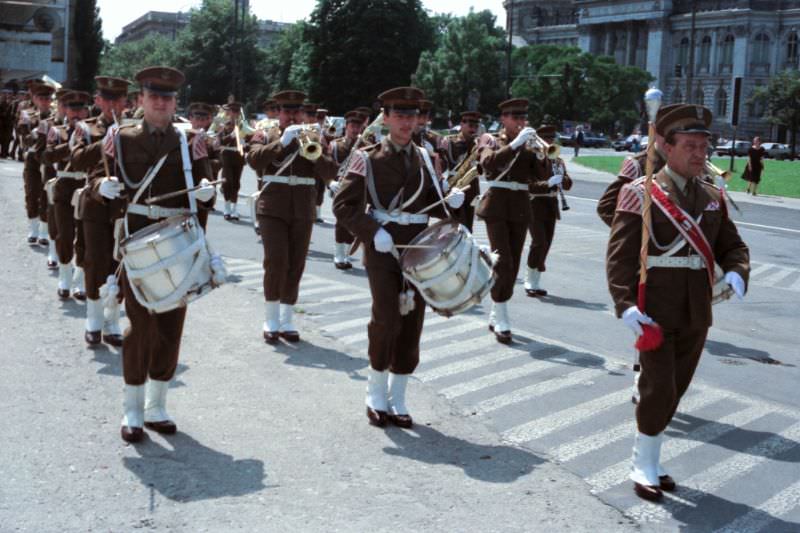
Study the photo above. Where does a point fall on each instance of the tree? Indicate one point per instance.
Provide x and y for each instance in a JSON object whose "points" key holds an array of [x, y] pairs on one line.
{"points": [[287, 61], [211, 48], [126, 59], [465, 65], [568, 84], [782, 101], [359, 48], [88, 30]]}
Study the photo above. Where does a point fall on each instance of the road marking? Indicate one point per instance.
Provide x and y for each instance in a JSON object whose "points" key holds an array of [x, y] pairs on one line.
{"points": [[463, 365], [790, 230], [325, 289], [463, 348], [758, 518], [618, 473], [345, 325], [712, 479], [594, 441], [539, 427], [762, 267], [458, 328]]}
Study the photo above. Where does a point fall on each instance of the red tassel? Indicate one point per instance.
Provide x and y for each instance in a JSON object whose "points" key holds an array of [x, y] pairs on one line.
{"points": [[650, 339]]}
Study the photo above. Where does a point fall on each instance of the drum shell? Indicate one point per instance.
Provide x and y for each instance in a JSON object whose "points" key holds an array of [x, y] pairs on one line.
{"points": [[721, 291]]}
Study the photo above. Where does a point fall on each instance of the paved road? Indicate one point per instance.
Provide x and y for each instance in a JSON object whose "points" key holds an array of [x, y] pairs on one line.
{"points": [[561, 391]]}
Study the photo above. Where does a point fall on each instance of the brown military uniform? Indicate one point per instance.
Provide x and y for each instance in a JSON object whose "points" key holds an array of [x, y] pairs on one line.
{"points": [[393, 338], [6, 122], [97, 213], [506, 212], [232, 164], [34, 138], [678, 299], [545, 211], [453, 150], [152, 344], [68, 231], [339, 150], [286, 212], [632, 168]]}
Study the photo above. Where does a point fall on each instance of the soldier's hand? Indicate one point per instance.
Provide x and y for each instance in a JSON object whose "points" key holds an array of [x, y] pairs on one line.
{"points": [[110, 188], [633, 318], [383, 241], [736, 282], [555, 179], [290, 133], [334, 187], [522, 137], [205, 192]]}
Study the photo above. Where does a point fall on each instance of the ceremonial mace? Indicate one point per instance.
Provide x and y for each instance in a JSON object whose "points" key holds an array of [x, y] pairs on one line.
{"points": [[652, 336]]}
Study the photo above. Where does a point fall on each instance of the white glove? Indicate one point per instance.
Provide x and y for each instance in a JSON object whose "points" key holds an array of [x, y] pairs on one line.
{"points": [[110, 188], [522, 137], [217, 266], [736, 282], [205, 192], [445, 184], [555, 179], [455, 199], [334, 187], [383, 241], [634, 319], [290, 133]]}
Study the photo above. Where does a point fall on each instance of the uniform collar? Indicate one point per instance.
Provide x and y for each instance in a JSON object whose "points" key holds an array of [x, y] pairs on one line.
{"points": [[679, 181], [397, 148]]}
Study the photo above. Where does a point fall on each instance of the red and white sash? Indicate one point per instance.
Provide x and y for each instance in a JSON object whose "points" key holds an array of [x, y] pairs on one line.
{"points": [[686, 226]]}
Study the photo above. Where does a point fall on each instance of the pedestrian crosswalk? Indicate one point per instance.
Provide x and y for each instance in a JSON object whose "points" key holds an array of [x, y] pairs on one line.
{"points": [[573, 406]]}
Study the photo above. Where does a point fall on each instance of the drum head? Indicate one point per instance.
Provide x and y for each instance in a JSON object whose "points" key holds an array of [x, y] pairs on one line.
{"points": [[157, 228], [440, 237]]}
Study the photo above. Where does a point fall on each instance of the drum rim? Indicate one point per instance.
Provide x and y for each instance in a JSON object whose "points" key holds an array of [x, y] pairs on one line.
{"points": [[408, 252], [151, 228]]}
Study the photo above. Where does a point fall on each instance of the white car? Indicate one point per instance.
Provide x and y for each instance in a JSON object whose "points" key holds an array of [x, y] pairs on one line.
{"points": [[777, 150]]}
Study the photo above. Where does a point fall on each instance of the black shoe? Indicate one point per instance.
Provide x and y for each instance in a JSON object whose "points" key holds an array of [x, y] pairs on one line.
{"points": [[290, 336], [113, 340], [648, 492], [271, 337], [535, 293], [63, 294], [52, 265], [165, 427], [43, 242], [130, 434], [343, 266], [92, 338], [503, 337], [79, 295], [32, 240], [226, 216], [401, 421], [666, 483], [377, 418]]}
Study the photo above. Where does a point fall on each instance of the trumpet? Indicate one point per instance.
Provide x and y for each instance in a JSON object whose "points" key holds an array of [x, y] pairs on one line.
{"points": [[544, 149], [714, 170], [309, 148]]}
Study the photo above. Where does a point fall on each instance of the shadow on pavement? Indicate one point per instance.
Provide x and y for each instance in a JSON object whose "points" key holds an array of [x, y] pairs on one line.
{"points": [[490, 463], [191, 471], [312, 356], [726, 349], [735, 438], [572, 302], [557, 354]]}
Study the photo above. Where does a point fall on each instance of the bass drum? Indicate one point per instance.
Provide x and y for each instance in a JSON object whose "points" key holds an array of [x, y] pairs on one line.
{"points": [[168, 263], [449, 269]]}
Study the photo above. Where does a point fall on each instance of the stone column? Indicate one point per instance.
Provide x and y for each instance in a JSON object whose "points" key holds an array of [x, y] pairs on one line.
{"points": [[608, 50], [656, 44], [714, 66], [585, 38], [742, 34], [628, 43]]}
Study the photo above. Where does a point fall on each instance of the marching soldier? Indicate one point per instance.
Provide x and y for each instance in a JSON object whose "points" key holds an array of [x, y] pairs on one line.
{"points": [[98, 214], [455, 150], [23, 102], [201, 116], [271, 109], [6, 120], [232, 149], [152, 344], [340, 151], [387, 175], [632, 168], [510, 164], [33, 131], [286, 209], [69, 240], [551, 177], [690, 232]]}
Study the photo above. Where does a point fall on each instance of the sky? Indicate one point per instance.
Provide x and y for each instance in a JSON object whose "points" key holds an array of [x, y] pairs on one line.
{"points": [[116, 14]]}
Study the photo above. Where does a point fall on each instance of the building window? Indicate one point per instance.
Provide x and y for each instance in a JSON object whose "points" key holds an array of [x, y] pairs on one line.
{"points": [[792, 49], [761, 49], [683, 53], [677, 97], [705, 53], [699, 96], [722, 103], [726, 52]]}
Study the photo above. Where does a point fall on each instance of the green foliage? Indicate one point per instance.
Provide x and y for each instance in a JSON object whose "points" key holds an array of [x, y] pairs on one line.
{"points": [[782, 101], [464, 71], [287, 61], [88, 29], [359, 48], [211, 49], [124, 60], [572, 85]]}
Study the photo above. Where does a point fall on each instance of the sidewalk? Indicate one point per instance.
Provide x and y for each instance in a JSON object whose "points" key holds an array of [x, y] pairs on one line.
{"points": [[580, 172], [270, 439]]}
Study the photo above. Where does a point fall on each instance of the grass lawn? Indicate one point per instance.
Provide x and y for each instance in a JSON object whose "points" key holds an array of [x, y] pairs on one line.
{"points": [[780, 178]]}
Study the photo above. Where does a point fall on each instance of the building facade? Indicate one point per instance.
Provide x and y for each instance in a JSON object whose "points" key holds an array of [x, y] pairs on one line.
{"points": [[751, 39], [170, 24], [35, 39]]}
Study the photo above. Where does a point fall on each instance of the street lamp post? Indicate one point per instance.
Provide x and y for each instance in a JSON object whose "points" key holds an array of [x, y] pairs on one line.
{"points": [[509, 5]]}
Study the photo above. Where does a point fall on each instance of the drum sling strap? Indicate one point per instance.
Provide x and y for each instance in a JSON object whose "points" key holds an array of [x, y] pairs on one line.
{"points": [[687, 227]]}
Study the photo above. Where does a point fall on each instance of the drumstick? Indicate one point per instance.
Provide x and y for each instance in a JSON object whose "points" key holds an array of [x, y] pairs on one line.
{"points": [[173, 194]]}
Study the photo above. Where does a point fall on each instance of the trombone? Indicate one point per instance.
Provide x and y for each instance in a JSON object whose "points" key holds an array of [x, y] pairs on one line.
{"points": [[725, 175]]}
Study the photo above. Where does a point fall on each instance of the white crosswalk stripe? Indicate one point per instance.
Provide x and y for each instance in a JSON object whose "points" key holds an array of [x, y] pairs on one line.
{"points": [[759, 518]]}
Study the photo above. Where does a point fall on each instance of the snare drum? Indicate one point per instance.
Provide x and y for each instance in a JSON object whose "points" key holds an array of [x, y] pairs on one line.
{"points": [[167, 263], [721, 291], [451, 272]]}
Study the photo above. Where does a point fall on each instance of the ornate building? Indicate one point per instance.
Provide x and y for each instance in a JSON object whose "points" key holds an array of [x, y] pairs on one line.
{"points": [[751, 39]]}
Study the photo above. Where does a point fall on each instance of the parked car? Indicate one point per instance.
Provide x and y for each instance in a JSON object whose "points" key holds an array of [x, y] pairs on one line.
{"points": [[591, 140], [740, 149], [777, 151]]}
